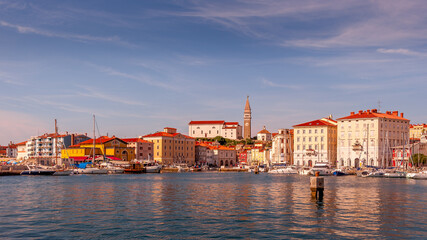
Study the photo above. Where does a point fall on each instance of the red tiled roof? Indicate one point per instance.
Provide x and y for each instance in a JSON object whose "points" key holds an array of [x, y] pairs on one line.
{"points": [[229, 127], [21, 143], [165, 134], [373, 114], [315, 123], [274, 134], [131, 140], [232, 123], [264, 131], [206, 122], [100, 140], [418, 125]]}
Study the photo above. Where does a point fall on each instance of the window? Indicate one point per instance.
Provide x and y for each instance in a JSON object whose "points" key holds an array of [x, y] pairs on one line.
{"points": [[315, 130], [309, 131], [297, 139], [303, 139], [321, 130], [194, 132], [315, 139], [309, 139], [297, 131], [303, 131]]}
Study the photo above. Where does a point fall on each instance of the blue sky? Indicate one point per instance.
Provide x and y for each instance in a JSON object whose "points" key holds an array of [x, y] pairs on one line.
{"points": [[142, 65]]}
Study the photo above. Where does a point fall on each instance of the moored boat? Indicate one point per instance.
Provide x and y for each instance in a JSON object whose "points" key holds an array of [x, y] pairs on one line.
{"points": [[135, 168], [37, 170], [323, 168]]}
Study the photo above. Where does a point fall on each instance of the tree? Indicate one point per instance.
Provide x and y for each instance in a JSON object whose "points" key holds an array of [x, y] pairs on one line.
{"points": [[419, 159]]}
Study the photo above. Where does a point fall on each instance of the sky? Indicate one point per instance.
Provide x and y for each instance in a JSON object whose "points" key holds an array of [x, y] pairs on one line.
{"points": [[140, 66]]}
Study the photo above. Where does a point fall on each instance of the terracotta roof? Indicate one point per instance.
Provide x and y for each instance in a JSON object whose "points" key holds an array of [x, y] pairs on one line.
{"points": [[229, 127], [264, 131], [315, 123], [165, 134], [131, 140], [21, 143], [206, 122], [374, 114], [231, 123], [423, 125], [274, 134], [100, 140]]}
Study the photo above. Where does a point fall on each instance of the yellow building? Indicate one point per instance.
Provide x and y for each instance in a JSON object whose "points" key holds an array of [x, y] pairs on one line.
{"points": [[315, 141], [113, 148], [416, 130], [171, 147], [260, 156]]}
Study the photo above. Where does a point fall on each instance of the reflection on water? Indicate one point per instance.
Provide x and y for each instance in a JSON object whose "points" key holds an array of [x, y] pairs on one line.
{"points": [[210, 205]]}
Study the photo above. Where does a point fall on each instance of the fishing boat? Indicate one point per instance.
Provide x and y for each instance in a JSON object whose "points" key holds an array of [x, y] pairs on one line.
{"points": [[37, 170], [323, 168], [134, 168]]}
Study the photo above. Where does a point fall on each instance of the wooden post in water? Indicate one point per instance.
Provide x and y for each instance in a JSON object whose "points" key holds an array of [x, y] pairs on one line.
{"points": [[317, 185]]}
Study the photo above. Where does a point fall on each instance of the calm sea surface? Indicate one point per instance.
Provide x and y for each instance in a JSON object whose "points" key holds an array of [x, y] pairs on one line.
{"points": [[210, 205]]}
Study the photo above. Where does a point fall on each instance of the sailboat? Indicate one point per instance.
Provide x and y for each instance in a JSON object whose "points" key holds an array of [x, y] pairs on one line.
{"points": [[88, 168]]}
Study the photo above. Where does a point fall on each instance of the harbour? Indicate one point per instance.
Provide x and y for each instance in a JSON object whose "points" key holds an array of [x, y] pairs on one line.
{"points": [[211, 205]]}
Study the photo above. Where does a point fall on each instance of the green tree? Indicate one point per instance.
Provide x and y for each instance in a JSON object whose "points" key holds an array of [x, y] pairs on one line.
{"points": [[419, 159]]}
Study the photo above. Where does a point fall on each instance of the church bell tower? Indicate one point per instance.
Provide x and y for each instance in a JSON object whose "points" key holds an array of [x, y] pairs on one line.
{"points": [[247, 120]]}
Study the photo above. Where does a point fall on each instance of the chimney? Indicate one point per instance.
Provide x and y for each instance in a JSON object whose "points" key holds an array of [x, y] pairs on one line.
{"points": [[368, 111], [360, 111], [388, 112], [374, 110], [395, 113], [351, 113], [401, 115]]}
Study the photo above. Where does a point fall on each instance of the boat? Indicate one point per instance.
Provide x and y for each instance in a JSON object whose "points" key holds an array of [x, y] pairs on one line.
{"points": [[111, 169], [37, 170], [419, 175], [339, 172], [63, 172], [90, 170], [304, 171], [134, 168], [284, 170], [397, 174], [152, 167], [323, 168], [376, 174]]}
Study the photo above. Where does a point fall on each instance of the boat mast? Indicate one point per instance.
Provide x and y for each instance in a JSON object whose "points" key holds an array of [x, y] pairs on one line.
{"points": [[367, 144], [56, 143], [94, 139]]}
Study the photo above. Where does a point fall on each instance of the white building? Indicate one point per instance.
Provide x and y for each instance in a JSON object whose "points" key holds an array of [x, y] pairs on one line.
{"points": [[366, 138], [315, 141], [282, 146], [21, 151], [211, 129], [264, 135], [48, 146]]}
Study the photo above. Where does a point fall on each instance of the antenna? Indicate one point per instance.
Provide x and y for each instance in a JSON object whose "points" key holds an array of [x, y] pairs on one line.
{"points": [[379, 105]]}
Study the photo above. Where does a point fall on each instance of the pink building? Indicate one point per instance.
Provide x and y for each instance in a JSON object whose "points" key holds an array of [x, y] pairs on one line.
{"points": [[143, 148]]}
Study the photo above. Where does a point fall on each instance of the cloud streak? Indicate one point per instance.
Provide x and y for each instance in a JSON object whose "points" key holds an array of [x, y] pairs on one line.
{"points": [[75, 37], [277, 85]]}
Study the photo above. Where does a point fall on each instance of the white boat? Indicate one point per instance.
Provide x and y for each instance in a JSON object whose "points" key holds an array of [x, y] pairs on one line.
{"points": [[284, 170], [153, 168], [304, 171], [324, 169], [419, 175], [90, 170], [37, 170], [111, 169], [396, 174]]}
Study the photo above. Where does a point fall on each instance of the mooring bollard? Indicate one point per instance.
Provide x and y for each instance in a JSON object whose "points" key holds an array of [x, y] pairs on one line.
{"points": [[317, 185]]}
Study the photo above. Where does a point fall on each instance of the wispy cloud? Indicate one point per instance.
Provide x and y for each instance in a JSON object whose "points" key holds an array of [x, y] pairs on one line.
{"points": [[401, 51], [75, 37], [139, 78], [278, 85], [96, 93]]}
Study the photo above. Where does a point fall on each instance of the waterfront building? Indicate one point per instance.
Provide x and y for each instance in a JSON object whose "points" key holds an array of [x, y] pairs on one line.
{"points": [[402, 154], [143, 148], [264, 135], [21, 150], [260, 156], [215, 155], [171, 147], [282, 147], [417, 130], [109, 147], [366, 138], [315, 141], [9, 151], [48, 146], [243, 157], [211, 129], [247, 116]]}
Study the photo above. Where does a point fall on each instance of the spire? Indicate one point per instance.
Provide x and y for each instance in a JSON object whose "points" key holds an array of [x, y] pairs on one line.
{"points": [[247, 107]]}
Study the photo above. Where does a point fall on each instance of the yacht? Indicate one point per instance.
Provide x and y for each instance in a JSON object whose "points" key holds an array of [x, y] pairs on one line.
{"points": [[152, 167], [323, 168], [37, 170], [419, 175], [284, 170]]}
